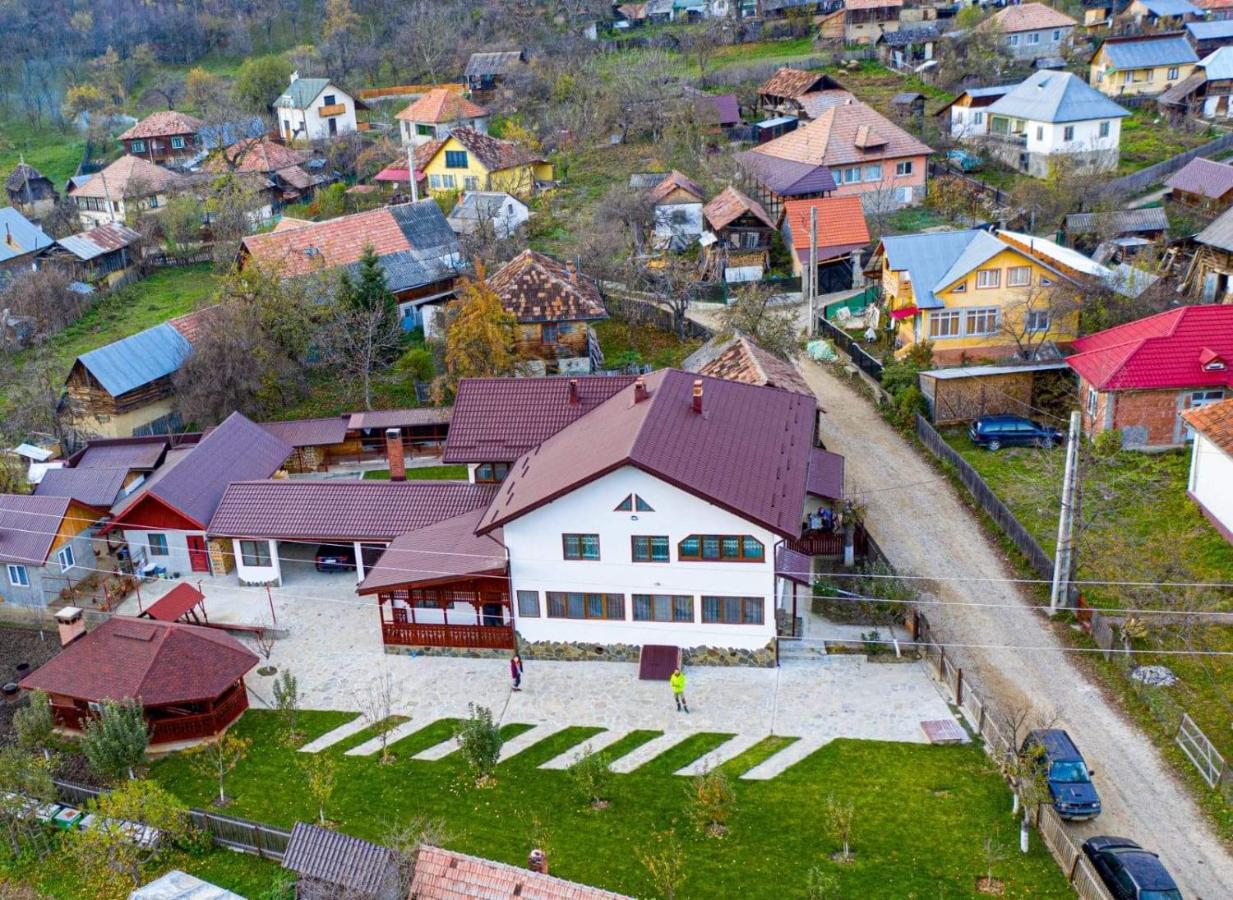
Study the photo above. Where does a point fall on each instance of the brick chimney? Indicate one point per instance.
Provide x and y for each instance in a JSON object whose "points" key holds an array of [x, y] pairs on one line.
{"points": [[72, 624], [640, 393], [537, 861], [393, 451], [698, 395], [573, 391]]}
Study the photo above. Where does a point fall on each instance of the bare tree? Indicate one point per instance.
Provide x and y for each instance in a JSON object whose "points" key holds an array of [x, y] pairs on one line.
{"points": [[43, 295], [166, 88], [377, 703], [1037, 313], [773, 329]]}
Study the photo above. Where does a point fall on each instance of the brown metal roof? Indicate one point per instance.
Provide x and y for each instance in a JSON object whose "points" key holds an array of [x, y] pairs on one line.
{"points": [[344, 510], [498, 419], [121, 453], [91, 486], [357, 867], [729, 205], [447, 875], [673, 181], [310, 432], [28, 526], [537, 288], [1204, 177], [446, 551], [825, 474], [160, 663], [492, 153], [747, 452]]}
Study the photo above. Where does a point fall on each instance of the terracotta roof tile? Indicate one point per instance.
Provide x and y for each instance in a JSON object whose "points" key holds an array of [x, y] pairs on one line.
{"points": [[166, 123], [1215, 422], [791, 83], [493, 154], [130, 176], [745, 361], [537, 288], [675, 180], [841, 222], [158, 662], [327, 245], [1027, 17], [257, 155], [446, 875], [441, 105], [729, 205], [833, 139]]}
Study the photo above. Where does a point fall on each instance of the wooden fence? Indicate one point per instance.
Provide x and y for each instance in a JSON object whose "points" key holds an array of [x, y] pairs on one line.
{"points": [[939, 168], [244, 835], [845, 342], [406, 90], [1145, 178]]}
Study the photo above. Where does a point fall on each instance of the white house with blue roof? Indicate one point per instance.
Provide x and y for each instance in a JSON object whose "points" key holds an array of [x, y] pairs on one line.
{"points": [[314, 109], [1054, 116]]}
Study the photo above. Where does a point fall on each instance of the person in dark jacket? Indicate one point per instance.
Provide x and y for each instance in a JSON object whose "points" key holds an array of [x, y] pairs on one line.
{"points": [[515, 671]]}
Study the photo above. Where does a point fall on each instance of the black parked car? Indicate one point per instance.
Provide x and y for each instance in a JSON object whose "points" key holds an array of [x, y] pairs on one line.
{"points": [[335, 558], [996, 432], [1129, 871], [1069, 778]]}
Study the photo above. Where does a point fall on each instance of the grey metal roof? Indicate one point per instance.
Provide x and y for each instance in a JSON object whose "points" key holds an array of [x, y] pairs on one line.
{"points": [[138, 359], [1048, 96], [435, 251], [501, 63], [1219, 234], [905, 36], [301, 93], [1166, 50], [1218, 65], [339, 859], [1170, 8], [929, 257], [1151, 218], [982, 248], [959, 372], [19, 235], [1210, 31], [644, 181], [1000, 90], [99, 241]]}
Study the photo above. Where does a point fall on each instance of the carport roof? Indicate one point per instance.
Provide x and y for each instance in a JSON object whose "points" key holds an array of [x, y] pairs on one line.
{"points": [[447, 551]]}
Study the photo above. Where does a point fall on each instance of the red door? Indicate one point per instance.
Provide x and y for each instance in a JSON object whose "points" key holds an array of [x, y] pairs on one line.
{"points": [[197, 556]]}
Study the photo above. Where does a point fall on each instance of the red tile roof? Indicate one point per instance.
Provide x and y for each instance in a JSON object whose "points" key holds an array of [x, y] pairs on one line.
{"points": [[791, 83], [160, 663], [28, 526], [747, 452], [446, 875], [1026, 17], [341, 510], [166, 123], [326, 245], [441, 105], [257, 155], [743, 360], [499, 419], [1204, 177], [841, 223], [844, 134], [446, 551], [1215, 422], [190, 325], [130, 176], [1173, 349], [537, 288], [729, 205]]}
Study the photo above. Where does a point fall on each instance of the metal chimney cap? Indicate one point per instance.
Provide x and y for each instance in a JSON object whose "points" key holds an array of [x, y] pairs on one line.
{"points": [[68, 614]]}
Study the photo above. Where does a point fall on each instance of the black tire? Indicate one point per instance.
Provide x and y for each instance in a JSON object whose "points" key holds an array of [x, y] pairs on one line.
{"points": [[994, 445]]}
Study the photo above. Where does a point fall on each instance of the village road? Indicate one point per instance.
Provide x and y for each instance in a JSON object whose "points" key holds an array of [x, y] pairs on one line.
{"points": [[924, 528]]}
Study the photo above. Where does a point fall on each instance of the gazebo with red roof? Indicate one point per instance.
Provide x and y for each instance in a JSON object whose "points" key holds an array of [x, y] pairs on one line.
{"points": [[189, 680]]}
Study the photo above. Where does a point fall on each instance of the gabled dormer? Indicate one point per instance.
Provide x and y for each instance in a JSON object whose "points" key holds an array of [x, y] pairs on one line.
{"points": [[1211, 361]]}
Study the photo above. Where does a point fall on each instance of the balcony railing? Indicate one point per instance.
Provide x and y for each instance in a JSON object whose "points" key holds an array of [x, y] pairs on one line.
{"points": [[166, 728], [1019, 140], [334, 109], [484, 637]]}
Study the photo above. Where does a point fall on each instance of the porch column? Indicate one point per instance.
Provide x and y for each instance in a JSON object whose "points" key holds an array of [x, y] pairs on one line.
{"points": [[359, 562]]}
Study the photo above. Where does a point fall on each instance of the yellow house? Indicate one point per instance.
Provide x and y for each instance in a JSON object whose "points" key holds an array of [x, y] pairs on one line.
{"points": [[973, 295], [470, 161], [1141, 64]]}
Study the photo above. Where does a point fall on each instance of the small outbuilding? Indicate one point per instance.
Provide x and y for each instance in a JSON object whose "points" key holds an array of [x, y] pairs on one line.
{"points": [[31, 192], [329, 864]]}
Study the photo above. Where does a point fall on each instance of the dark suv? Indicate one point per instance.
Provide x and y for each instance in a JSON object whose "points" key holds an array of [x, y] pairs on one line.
{"points": [[1070, 782], [335, 558], [1129, 871], [996, 432]]}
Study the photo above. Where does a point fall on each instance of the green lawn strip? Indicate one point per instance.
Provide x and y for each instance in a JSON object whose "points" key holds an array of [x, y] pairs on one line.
{"points": [[553, 746], [368, 733], [627, 744], [430, 735], [311, 724], [682, 754], [422, 473], [922, 813], [758, 753]]}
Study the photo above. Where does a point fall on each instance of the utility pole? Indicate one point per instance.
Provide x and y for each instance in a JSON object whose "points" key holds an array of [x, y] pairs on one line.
{"points": [[415, 190], [1066, 520], [812, 276]]}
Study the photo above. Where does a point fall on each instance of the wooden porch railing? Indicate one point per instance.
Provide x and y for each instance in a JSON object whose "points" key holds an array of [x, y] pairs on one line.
{"points": [[830, 544], [485, 637], [166, 730]]}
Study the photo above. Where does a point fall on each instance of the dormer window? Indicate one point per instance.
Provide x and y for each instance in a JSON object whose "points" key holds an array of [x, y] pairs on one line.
{"points": [[1211, 361], [634, 503]]}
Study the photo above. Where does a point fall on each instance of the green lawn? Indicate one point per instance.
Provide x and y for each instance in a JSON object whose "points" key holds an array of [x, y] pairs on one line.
{"points": [[1139, 527], [53, 152], [922, 812], [621, 340], [422, 473]]}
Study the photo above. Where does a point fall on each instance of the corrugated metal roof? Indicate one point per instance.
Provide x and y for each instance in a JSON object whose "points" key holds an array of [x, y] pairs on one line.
{"points": [[500, 63], [177, 885], [1148, 52], [28, 526], [131, 362], [352, 864], [1151, 218], [1210, 31], [1171, 8], [1219, 233], [19, 236], [928, 257], [825, 477], [310, 432], [1048, 96], [959, 372], [86, 245], [124, 453], [1218, 65], [301, 93], [94, 487]]}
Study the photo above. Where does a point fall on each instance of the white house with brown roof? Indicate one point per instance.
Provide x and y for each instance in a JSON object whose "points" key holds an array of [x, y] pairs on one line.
{"points": [[128, 186], [166, 137], [437, 113], [1031, 31], [678, 201]]}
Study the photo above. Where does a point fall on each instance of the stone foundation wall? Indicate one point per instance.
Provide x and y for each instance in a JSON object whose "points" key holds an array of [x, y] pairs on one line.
{"points": [[564, 651]]}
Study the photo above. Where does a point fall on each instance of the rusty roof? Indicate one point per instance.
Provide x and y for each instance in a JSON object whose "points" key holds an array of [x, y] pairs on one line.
{"points": [[791, 83], [675, 180], [448, 875], [337, 509], [843, 134], [1215, 422], [743, 360], [445, 551], [729, 205], [130, 176], [441, 105], [537, 288], [159, 663], [165, 123], [746, 452]]}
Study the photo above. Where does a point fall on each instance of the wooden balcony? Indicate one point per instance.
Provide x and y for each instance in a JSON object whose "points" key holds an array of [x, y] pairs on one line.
{"points": [[482, 637], [167, 724], [334, 109]]}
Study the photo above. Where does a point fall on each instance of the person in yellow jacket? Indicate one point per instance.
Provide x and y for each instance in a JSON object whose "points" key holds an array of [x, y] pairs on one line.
{"points": [[677, 680]]}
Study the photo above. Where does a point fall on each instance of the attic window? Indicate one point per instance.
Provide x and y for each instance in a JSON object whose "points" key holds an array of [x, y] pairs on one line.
{"points": [[1211, 361], [634, 503]]}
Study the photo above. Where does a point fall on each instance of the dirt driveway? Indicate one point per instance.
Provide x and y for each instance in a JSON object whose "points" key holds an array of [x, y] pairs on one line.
{"points": [[925, 529]]}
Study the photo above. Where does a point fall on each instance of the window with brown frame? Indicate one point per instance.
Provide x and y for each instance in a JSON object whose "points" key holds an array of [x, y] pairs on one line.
{"points": [[650, 548], [578, 605], [491, 473], [663, 608], [580, 546], [723, 547], [733, 610]]}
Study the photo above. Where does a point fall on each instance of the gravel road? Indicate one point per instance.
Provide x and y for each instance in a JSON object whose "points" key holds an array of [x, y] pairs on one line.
{"points": [[924, 528]]}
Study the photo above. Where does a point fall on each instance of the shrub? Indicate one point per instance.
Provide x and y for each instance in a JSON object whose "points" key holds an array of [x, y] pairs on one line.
{"points": [[712, 801], [1107, 444], [591, 776], [115, 742], [479, 740], [287, 702], [34, 723], [417, 364]]}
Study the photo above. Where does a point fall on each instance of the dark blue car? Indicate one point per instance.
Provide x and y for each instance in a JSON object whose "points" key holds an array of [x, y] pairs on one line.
{"points": [[1070, 780], [1129, 871], [996, 432]]}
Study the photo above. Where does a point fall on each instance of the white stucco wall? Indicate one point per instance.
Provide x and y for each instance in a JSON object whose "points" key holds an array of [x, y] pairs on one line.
{"points": [[964, 124], [309, 125], [1211, 479], [176, 560], [271, 574], [1086, 137], [537, 564]]}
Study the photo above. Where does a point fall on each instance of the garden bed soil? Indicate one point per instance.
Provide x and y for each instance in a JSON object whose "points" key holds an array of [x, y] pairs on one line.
{"points": [[17, 646]]}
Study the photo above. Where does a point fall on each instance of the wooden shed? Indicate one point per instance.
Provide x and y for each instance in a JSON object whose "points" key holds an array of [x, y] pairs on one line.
{"points": [[959, 395]]}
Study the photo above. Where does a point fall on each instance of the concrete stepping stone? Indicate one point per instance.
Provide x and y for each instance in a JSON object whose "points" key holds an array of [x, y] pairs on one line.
{"points": [[594, 743], [644, 753], [518, 743], [438, 751], [787, 757], [330, 738], [397, 733], [731, 748]]}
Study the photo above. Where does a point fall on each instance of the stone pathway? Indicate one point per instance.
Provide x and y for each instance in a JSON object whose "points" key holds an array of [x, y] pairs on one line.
{"points": [[397, 733], [341, 733], [590, 746], [729, 749]]}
